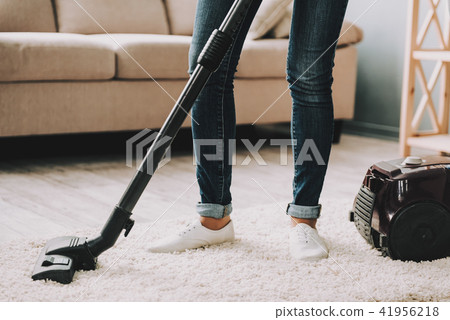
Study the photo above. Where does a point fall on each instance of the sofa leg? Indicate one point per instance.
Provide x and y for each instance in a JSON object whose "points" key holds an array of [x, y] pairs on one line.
{"points": [[337, 131]]}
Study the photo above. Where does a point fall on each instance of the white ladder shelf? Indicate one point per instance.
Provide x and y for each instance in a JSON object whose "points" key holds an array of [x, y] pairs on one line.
{"points": [[437, 139]]}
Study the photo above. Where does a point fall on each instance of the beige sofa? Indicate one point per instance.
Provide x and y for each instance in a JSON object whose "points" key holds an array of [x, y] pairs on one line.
{"points": [[61, 73]]}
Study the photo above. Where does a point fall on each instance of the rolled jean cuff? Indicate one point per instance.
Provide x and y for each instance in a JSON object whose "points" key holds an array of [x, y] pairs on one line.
{"points": [[304, 212], [213, 210]]}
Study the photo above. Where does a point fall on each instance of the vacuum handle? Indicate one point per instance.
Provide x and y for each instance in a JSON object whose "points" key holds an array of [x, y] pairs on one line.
{"points": [[221, 39], [235, 16], [208, 61]]}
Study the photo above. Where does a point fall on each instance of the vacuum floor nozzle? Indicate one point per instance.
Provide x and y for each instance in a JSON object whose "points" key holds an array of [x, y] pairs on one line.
{"points": [[61, 257]]}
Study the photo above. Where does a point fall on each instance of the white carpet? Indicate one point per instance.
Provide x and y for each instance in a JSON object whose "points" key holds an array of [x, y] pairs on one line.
{"points": [[256, 267]]}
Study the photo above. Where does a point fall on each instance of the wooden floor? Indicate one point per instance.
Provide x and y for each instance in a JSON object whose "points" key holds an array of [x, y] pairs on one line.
{"points": [[50, 196]]}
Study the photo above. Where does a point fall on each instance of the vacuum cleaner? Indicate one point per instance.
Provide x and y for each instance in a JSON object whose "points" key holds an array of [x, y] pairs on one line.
{"points": [[62, 256], [403, 208]]}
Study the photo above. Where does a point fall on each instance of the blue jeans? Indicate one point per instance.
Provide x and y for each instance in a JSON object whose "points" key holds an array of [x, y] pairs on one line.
{"points": [[315, 28]]}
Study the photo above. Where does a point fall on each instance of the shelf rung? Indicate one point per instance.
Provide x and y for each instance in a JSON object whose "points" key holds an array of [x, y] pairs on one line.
{"points": [[438, 142], [438, 55]]}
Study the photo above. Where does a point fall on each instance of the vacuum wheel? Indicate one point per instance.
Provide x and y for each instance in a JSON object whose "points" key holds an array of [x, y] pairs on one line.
{"points": [[420, 232]]}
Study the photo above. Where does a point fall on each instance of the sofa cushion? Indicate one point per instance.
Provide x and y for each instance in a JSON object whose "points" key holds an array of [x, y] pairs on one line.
{"points": [[282, 28], [257, 53], [269, 14], [26, 16], [53, 56], [181, 14], [113, 16], [152, 55], [350, 34]]}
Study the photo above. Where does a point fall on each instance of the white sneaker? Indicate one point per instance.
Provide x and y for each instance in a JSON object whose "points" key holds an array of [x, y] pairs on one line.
{"points": [[194, 236], [306, 244]]}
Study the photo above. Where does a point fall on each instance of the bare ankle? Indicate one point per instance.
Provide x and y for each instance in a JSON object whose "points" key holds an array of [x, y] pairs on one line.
{"points": [[309, 222], [213, 223]]}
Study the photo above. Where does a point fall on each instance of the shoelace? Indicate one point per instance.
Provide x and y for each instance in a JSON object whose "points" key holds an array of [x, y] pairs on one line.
{"points": [[303, 234], [188, 228]]}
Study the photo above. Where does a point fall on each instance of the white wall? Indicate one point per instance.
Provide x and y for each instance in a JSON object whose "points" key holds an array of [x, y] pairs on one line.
{"points": [[380, 65]]}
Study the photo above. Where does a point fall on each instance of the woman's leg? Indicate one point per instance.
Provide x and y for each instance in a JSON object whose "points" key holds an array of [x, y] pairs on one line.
{"points": [[213, 119], [213, 113], [314, 32]]}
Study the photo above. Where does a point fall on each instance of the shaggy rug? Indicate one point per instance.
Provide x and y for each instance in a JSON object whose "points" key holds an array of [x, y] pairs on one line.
{"points": [[256, 267]]}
